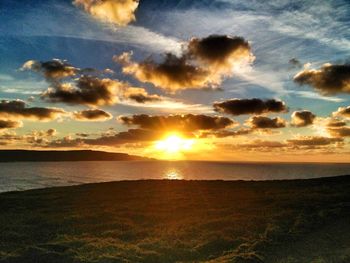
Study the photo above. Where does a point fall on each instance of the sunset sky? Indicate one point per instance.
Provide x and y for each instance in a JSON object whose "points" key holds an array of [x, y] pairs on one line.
{"points": [[198, 79]]}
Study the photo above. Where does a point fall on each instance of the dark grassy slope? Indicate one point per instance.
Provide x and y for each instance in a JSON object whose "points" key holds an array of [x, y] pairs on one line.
{"points": [[179, 221], [64, 156]]}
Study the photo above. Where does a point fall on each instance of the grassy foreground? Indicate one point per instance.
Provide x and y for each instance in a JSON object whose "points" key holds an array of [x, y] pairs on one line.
{"points": [[179, 221]]}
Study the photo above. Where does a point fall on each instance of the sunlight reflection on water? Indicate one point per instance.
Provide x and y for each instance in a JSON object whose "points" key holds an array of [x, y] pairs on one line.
{"points": [[173, 174]]}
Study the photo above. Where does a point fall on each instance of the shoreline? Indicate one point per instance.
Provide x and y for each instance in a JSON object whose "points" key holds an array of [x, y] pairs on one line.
{"points": [[328, 178]]}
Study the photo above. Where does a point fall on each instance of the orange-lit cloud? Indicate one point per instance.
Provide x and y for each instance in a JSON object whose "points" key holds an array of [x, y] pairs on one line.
{"points": [[342, 112], [120, 12], [314, 141], [188, 122], [94, 91], [204, 63], [225, 133], [140, 95], [34, 138], [52, 70], [302, 118]]}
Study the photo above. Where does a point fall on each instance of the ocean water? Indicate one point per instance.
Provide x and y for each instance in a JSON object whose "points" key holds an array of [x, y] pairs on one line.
{"points": [[31, 175]]}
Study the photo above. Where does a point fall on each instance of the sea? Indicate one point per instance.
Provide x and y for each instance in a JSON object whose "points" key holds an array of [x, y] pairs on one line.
{"points": [[18, 176]]}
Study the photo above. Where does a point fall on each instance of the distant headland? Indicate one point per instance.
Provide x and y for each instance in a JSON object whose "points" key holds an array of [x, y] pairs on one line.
{"points": [[65, 156]]}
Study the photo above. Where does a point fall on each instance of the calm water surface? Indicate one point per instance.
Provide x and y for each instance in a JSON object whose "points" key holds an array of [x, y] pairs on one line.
{"points": [[29, 175]]}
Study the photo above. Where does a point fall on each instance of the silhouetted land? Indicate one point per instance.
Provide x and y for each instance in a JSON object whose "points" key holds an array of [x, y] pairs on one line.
{"points": [[64, 156], [179, 221]]}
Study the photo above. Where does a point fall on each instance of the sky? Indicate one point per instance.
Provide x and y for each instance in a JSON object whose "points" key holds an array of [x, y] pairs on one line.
{"points": [[221, 80]]}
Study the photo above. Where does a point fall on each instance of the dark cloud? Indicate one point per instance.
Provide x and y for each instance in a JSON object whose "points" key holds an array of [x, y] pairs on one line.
{"points": [[314, 141], [203, 63], [18, 109], [8, 124], [92, 115], [51, 132], [93, 91], [339, 132], [263, 144], [130, 136], [218, 51], [89, 90], [329, 79], [302, 118], [188, 122], [140, 95], [249, 106], [53, 69], [84, 135], [342, 112], [120, 12], [295, 63], [262, 122], [333, 123]]}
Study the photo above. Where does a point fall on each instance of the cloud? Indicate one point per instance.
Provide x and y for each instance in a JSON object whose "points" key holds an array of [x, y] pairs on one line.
{"points": [[315, 96], [51, 132], [329, 79], [342, 112], [93, 91], [140, 95], [173, 73], [333, 123], [119, 12], [262, 122], [225, 133], [8, 124], [33, 138], [52, 70], [92, 115], [295, 63], [18, 109], [263, 144], [249, 106], [89, 91], [313, 141], [339, 132], [302, 118], [187, 123], [82, 134], [204, 63], [129, 136], [220, 52]]}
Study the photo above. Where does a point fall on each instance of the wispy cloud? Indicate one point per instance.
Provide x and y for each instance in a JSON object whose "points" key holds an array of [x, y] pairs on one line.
{"points": [[315, 96]]}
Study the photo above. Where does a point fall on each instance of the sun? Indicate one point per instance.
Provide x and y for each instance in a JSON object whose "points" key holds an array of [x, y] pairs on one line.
{"points": [[173, 144]]}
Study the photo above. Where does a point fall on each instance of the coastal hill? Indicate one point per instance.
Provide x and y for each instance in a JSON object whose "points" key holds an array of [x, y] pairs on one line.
{"points": [[157, 221], [64, 156]]}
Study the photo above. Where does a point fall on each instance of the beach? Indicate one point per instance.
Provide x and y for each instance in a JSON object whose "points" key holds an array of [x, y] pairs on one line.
{"points": [[179, 221]]}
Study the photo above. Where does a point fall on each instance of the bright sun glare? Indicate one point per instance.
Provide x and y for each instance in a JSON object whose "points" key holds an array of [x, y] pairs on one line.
{"points": [[174, 144]]}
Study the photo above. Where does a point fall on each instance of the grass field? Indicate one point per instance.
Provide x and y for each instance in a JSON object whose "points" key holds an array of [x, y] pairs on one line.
{"points": [[179, 221]]}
